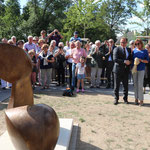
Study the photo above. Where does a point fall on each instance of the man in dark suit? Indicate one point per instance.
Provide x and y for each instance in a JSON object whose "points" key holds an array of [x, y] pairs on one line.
{"points": [[110, 64], [122, 60]]}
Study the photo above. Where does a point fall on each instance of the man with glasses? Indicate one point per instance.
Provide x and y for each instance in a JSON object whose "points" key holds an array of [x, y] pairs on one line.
{"points": [[122, 60]]}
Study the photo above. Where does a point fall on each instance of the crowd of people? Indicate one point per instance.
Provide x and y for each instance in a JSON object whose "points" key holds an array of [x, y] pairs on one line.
{"points": [[52, 60]]}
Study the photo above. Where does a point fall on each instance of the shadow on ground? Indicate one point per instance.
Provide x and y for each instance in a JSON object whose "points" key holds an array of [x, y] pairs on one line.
{"points": [[83, 145]]}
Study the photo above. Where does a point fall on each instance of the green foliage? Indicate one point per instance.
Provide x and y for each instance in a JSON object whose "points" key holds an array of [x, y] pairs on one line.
{"points": [[80, 16], [116, 12], [92, 19], [2, 7], [144, 16], [39, 15], [10, 19], [87, 19]]}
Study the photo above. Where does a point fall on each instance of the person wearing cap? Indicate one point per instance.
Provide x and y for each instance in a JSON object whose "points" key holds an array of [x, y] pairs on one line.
{"points": [[75, 37]]}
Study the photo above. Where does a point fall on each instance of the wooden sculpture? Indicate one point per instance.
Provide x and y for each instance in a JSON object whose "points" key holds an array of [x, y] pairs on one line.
{"points": [[16, 67], [31, 127]]}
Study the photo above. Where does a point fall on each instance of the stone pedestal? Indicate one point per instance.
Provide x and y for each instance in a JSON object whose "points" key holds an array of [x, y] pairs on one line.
{"points": [[66, 126]]}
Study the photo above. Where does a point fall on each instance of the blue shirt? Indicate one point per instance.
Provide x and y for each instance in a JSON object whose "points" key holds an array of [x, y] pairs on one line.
{"points": [[141, 54], [75, 39]]}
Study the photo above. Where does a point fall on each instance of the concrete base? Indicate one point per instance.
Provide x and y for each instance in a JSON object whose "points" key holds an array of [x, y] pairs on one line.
{"points": [[63, 140], [65, 134]]}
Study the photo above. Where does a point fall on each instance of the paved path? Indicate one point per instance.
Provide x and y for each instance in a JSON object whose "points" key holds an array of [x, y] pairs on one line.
{"points": [[4, 94]]}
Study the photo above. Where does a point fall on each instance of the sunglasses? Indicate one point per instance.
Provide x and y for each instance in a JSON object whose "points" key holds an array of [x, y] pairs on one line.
{"points": [[137, 44], [123, 42]]}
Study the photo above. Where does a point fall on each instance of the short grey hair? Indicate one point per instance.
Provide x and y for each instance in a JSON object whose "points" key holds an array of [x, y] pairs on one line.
{"points": [[97, 41], [131, 42], [111, 40], [61, 43], [13, 37], [30, 36]]}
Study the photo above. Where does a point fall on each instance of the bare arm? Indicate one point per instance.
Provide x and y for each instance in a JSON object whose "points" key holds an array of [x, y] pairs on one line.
{"points": [[76, 71], [49, 36]]}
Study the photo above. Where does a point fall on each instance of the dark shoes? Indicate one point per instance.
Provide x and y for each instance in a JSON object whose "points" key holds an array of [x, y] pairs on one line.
{"points": [[91, 86], [108, 87], [126, 102], [4, 88], [115, 102]]}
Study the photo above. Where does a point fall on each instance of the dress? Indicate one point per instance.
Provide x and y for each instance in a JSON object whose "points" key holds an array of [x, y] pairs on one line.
{"points": [[81, 71]]}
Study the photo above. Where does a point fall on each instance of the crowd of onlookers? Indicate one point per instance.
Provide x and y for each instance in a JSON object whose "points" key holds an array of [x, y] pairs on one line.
{"points": [[98, 62]]}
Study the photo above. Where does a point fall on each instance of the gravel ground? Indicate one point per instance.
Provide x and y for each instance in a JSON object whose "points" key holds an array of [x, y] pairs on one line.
{"points": [[102, 125]]}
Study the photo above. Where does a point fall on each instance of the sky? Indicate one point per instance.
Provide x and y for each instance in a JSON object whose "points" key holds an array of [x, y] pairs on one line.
{"points": [[135, 19], [23, 3]]}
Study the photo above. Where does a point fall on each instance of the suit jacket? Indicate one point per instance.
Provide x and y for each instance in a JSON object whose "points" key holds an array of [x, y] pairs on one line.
{"points": [[119, 57]]}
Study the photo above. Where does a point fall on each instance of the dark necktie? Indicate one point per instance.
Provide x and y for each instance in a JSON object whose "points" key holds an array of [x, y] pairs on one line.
{"points": [[124, 52]]}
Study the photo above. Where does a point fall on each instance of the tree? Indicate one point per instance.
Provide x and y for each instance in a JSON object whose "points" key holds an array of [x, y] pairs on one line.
{"points": [[144, 17], [11, 19], [81, 15], [2, 7], [116, 12], [43, 14], [85, 17], [2, 12]]}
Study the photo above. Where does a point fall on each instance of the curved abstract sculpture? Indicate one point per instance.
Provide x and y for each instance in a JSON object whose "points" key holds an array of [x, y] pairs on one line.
{"points": [[16, 67], [31, 127]]}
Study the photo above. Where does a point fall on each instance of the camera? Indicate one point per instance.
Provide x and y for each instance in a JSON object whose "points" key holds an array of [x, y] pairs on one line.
{"points": [[60, 47]]}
